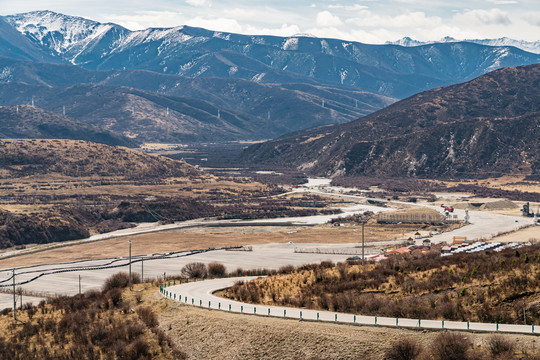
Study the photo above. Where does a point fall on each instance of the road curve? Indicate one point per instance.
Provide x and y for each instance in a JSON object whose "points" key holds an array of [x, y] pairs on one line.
{"points": [[200, 293]]}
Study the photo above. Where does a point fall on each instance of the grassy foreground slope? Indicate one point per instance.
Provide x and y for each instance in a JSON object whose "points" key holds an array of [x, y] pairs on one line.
{"points": [[485, 287], [116, 323]]}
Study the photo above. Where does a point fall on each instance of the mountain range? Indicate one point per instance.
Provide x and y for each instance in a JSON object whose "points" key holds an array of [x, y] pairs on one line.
{"points": [[390, 70], [489, 126], [187, 84], [530, 46], [177, 108]]}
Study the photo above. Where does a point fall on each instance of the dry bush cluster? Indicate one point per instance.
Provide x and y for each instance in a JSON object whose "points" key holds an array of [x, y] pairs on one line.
{"points": [[486, 287], [395, 186], [216, 269], [457, 346], [405, 185], [95, 325], [280, 177], [70, 219]]}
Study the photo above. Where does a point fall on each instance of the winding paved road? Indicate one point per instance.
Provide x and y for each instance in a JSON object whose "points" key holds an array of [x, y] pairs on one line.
{"points": [[200, 293], [63, 278]]}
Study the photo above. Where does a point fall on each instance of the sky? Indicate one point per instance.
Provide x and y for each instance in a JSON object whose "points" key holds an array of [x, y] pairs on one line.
{"points": [[368, 21]]}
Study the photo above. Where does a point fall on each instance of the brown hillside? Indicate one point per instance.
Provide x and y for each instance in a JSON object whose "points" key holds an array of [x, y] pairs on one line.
{"points": [[486, 127], [77, 158]]}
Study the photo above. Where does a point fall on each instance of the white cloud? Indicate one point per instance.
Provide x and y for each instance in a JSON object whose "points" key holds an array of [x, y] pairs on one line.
{"points": [[145, 19], [326, 18], [198, 2], [221, 24], [486, 17], [264, 15], [503, 2], [532, 18], [355, 7], [285, 30], [408, 20]]}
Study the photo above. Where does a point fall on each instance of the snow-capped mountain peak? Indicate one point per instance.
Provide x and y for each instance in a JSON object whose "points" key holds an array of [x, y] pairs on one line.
{"points": [[59, 32], [69, 36], [530, 46]]}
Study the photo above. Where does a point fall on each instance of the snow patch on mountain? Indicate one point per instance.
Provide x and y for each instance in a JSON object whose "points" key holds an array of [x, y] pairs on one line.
{"points": [[500, 55], [290, 44], [5, 75]]}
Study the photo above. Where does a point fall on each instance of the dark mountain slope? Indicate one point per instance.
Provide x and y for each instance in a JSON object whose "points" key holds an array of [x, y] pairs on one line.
{"points": [[28, 122], [488, 126], [16, 45], [291, 106], [140, 115]]}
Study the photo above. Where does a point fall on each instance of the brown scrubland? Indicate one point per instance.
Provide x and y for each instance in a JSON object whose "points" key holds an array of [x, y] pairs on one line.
{"points": [[60, 190], [116, 323], [487, 287]]}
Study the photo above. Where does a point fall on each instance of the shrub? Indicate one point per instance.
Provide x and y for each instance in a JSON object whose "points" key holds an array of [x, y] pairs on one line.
{"points": [[148, 316], [216, 269], [500, 346], [194, 270], [100, 333], [115, 295], [286, 269], [138, 349], [404, 349], [120, 280], [450, 346]]}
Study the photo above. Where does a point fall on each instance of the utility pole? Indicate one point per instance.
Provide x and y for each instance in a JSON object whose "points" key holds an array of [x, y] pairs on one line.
{"points": [[142, 270], [130, 285], [363, 223], [14, 298], [79, 284]]}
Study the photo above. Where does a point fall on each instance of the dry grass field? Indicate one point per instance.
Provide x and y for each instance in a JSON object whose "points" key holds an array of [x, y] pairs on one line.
{"points": [[202, 238], [504, 183], [531, 233]]}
